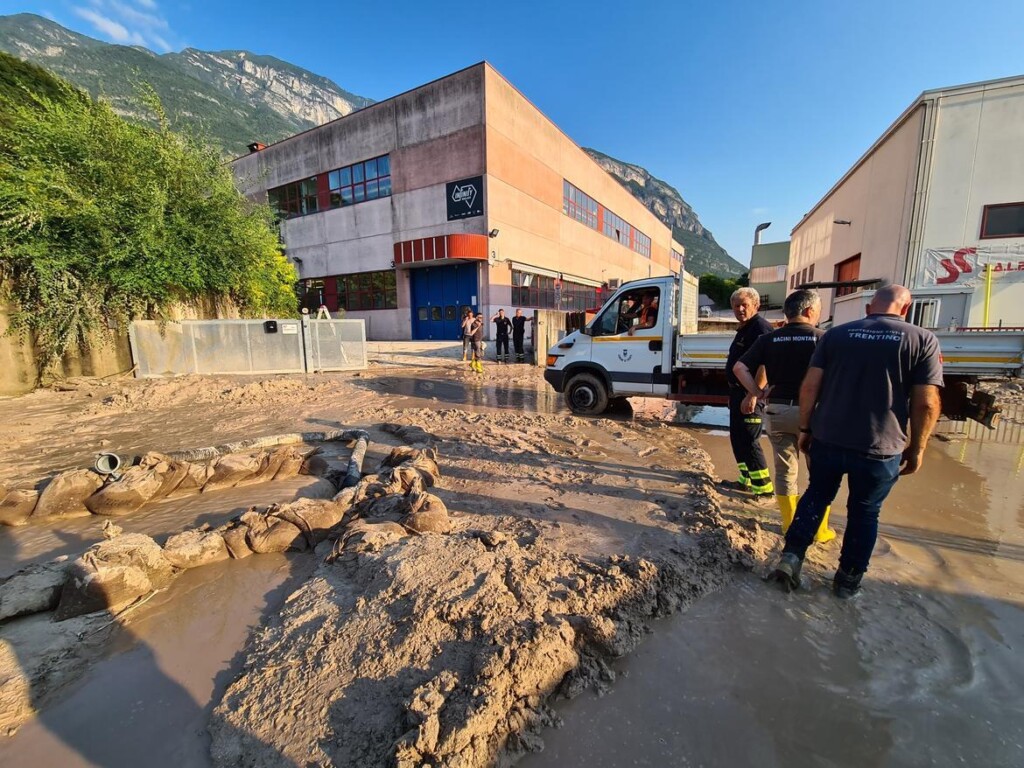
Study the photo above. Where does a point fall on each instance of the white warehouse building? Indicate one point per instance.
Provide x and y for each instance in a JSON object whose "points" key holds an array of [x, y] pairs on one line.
{"points": [[934, 202]]}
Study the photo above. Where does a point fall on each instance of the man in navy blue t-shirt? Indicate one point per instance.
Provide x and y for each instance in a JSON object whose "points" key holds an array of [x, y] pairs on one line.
{"points": [[866, 381]]}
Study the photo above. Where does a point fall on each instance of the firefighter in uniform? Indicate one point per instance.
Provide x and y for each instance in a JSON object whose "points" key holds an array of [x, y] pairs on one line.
{"points": [[744, 416], [518, 334], [785, 354]]}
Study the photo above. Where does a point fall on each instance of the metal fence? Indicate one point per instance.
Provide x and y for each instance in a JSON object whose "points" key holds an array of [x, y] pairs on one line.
{"points": [[246, 346]]}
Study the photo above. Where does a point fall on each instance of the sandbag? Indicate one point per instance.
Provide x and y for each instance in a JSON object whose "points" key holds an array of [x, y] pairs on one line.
{"points": [[172, 472], [271, 534], [65, 495], [366, 536], [128, 494], [112, 573], [235, 541], [16, 506], [196, 475], [192, 549], [430, 515], [233, 469], [314, 517], [33, 589]]}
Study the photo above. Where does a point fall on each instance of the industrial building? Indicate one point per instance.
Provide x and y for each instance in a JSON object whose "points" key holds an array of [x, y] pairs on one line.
{"points": [[935, 203], [457, 194]]}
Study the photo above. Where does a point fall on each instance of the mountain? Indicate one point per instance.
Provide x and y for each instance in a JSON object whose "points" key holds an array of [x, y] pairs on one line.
{"points": [[235, 97], [703, 254]]}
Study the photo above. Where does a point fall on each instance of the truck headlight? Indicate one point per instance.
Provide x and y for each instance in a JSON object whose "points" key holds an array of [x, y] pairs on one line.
{"points": [[552, 359]]}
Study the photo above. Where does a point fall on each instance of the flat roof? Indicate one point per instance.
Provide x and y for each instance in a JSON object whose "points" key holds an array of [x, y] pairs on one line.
{"points": [[926, 96]]}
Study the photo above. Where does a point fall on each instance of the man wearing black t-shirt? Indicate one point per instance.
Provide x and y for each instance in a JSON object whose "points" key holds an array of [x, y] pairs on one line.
{"points": [[518, 334], [868, 381], [744, 413], [503, 326], [784, 354]]}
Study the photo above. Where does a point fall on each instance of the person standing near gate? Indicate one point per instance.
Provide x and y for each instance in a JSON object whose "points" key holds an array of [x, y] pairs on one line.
{"points": [[477, 331], [467, 331], [744, 414], [518, 334], [504, 325], [866, 381], [784, 354]]}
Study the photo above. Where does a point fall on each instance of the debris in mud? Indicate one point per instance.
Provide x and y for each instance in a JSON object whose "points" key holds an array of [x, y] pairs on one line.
{"points": [[481, 628]]}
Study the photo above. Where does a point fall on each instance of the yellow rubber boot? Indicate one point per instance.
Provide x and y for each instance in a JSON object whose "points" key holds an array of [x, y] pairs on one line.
{"points": [[787, 506], [824, 533]]}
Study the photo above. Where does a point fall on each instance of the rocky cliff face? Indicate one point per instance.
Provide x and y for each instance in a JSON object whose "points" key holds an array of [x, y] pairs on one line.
{"points": [[287, 90], [235, 97], [703, 254]]}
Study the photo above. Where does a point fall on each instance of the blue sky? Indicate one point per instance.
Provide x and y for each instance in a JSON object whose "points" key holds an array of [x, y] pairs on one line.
{"points": [[751, 109]]}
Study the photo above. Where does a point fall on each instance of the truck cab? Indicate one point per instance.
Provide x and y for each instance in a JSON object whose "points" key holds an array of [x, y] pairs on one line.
{"points": [[625, 351]]}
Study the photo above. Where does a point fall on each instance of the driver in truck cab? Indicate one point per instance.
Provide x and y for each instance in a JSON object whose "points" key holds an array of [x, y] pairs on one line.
{"points": [[646, 314]]}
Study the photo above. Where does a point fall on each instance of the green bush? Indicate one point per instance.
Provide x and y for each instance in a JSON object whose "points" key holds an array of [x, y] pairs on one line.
{"points": [[102, 220]]}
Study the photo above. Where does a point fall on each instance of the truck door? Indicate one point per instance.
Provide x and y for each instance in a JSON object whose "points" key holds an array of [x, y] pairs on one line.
{"points": [[628, 340]]}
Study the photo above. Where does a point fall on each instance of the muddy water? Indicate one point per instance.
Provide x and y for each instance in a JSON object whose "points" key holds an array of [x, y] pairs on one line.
{"points": [[148, 702], [535, 397], [924, 669]]}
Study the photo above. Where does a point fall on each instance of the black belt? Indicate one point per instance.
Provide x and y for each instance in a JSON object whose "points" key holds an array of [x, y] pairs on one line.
{"points": [[780, 401]]}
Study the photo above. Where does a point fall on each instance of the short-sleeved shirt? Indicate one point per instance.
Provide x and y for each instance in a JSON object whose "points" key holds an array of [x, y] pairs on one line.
{"points": [[478, 330], [518, 326], [869, 367], [745, 337], [785, 354], [503, 324]]}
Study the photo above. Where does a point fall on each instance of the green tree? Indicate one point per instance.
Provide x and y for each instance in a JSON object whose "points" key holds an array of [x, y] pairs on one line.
{"points": [[102, 220], [720, 289]]}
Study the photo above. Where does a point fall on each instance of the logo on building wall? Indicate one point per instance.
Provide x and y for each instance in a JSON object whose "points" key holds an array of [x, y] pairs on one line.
{"points": [[465, 198], [966, 266]]}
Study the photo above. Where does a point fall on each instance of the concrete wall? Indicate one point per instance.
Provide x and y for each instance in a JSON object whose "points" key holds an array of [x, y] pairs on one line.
{"points": [[877, 198], [527, 159], [977, 159], [19, 361]]}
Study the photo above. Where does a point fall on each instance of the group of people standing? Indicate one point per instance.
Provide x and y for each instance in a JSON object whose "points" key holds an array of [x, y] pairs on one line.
{"points": [[473, 337], [859, 401]]}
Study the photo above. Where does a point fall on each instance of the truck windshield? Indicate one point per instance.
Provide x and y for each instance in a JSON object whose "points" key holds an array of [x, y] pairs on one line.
{"points": [[634, 308]]}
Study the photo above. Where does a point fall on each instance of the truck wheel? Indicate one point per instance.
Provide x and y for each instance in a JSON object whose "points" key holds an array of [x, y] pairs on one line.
{"points": [[586, 395]]}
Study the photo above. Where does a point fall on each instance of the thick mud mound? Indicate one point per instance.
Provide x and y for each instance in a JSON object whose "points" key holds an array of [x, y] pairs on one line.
{"points": [[442, 650]]}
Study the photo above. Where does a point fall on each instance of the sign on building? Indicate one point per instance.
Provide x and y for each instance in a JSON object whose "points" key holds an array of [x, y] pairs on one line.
{"points": [[966, 266], [465, 198]]}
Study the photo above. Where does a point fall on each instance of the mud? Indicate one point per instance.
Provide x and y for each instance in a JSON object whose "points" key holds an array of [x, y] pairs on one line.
{"points": [[598, 529], [923, 669]]}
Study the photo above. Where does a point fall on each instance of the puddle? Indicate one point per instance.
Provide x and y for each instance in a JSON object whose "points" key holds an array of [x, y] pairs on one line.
{"points": [[923, 669], [535, 399]]}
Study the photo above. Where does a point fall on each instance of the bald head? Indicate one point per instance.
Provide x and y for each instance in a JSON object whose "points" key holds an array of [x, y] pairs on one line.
{"points": [[890, 300]]}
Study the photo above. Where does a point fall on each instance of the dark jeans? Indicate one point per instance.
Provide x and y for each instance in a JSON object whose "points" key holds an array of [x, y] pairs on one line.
{"points": [[744, 436], [869, 478], [517, 342], [502, 345]]}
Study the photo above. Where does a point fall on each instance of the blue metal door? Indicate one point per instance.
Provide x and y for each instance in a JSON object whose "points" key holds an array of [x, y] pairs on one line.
{"points": [[439, 295]]}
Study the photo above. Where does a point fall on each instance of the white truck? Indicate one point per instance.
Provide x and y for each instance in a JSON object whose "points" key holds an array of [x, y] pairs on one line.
{"points": [[614, 357]]}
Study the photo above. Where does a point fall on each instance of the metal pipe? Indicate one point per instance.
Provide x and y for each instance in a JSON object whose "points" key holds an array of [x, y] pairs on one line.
{"points": [[757, 231], [988, 293]]}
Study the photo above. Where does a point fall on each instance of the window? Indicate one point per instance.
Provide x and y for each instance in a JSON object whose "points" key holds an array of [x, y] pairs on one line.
{"points": [[295, 199], [616, 228], [364, 290], [587, 210], [529, 290], [772, 274], [367, 180], [626, 311], [924, 312], [810, 273], [641, 243], [846, 271], [1003, 220], [578, 205]]}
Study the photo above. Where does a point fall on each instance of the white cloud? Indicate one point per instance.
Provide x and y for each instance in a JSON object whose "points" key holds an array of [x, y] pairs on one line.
{"points": [[124, 23], [112, 29]]}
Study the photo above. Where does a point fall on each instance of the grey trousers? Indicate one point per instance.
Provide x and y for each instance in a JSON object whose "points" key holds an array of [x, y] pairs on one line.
{"points": [[782, 422]]}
